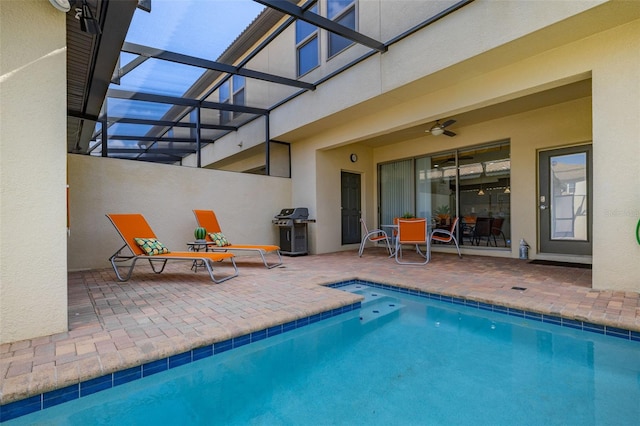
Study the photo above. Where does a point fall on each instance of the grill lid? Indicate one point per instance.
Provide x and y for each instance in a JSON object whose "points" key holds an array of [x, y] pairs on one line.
{"points": [[293, 213]]}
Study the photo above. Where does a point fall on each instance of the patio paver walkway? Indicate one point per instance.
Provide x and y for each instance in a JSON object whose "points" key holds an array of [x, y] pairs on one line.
{"points": [[113, 326]]}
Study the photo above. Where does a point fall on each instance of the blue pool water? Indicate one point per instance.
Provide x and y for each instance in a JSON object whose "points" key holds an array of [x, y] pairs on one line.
{"points": [[400, 360]]}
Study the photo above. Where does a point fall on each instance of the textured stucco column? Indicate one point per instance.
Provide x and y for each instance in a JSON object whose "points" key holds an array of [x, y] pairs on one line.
{"points": [[616, 151], [33, 240]]}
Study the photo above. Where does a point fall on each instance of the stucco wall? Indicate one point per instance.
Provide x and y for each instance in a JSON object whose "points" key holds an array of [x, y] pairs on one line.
{"points": [[564, 124], [166, 195], [33, 279], [616, 151], [611, 59]]}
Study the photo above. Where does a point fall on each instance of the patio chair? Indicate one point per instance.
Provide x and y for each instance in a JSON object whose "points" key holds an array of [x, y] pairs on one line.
{"points": [[496, 231], [208, 220], [413, 232], [447, 235], [140, 240], [375, 236], [482, 230]]}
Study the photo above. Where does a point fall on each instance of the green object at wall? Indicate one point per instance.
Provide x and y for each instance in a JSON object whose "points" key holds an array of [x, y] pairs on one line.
{"points": [[200, 233]]}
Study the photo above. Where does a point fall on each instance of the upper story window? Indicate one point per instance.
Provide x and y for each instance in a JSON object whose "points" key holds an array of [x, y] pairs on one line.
{"points": [[225, 98], [193, 118], [238, 84], [344, 13], [307, 46]]}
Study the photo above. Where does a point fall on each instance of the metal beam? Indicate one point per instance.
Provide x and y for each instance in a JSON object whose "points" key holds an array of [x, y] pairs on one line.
{"points": [[173, 100], [82, 116], [151, 139], [168, 123], [289, 8], [122, 71], [211, 65], [167, 151]]}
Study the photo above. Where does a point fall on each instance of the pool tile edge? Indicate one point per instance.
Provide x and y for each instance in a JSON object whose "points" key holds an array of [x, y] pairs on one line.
{"points": [[608, 330], [32, 404]]}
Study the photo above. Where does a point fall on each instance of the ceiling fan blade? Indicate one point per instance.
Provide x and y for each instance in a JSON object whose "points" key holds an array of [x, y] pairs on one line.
{"points": [[449, 133], [448, 123]]}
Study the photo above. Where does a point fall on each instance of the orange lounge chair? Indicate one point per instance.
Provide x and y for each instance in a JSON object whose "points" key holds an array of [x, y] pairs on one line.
{"points": [[132, 226], [208, 220]]}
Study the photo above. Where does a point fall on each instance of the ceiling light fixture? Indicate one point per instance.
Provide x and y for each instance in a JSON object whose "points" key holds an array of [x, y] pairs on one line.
{"points": [[88, 23], [437, 131], [61, 5], [440, 128]]}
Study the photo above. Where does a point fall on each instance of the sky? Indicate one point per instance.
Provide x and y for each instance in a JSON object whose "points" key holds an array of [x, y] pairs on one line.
{"points": [[203, 28], [200, 28]]}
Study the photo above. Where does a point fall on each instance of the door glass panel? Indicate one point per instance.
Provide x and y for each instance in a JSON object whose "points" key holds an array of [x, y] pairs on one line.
{"points": [[485, 195], [472, 184], [568, 188], [436, 188]]}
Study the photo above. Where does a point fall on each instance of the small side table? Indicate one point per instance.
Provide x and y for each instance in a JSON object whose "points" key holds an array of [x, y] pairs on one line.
{"points": [[196, 246]]}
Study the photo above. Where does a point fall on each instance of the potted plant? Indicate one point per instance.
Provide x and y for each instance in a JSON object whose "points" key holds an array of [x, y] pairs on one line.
{"points": [[443, 214], [408, 215]]}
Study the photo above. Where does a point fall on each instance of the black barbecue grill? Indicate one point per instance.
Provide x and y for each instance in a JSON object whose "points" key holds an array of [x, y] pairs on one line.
{"points": [[293, 230]]}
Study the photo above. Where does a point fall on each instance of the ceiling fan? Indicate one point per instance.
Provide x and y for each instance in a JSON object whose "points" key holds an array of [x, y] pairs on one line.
{"points": [[439, 129]]}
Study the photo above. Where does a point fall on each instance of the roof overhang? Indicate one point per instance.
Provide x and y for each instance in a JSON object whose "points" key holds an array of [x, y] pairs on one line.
{"points": [[91, 60]]}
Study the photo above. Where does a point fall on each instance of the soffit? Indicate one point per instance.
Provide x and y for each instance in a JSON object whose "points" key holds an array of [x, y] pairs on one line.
{"points": [[91, 60]]}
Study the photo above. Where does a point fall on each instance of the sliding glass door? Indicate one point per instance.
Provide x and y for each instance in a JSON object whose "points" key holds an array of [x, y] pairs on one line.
{"points": [[436, 188], [473, 183]]}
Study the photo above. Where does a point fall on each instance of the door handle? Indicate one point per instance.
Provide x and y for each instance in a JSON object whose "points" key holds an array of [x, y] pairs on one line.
{"points": [[543, 207]]}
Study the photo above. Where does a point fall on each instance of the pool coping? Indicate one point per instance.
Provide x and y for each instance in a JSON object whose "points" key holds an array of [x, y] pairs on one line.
{"points": [[84, 388]]}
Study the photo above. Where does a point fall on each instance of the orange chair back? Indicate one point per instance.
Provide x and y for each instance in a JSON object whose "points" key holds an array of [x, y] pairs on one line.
{"points": [[406, 219], [131, 226], [454, 224], [412, 231], [208, 220]]}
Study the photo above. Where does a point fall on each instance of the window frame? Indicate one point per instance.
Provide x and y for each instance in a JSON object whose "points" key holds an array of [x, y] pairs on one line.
{"points": [[225, 116], [238, 92], [347, 10], [305, 41]]}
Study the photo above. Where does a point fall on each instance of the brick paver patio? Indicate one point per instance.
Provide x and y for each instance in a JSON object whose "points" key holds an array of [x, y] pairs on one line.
{"points": [[113, 326]]}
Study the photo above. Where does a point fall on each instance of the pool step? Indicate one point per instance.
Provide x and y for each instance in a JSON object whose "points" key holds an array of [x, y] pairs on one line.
{"points": [[375, 305], [370, 294], [379, 309], [355, 288]]}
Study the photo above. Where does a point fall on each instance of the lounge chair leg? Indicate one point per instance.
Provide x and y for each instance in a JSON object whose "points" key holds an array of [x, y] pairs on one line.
{"points": [[209, 267], [116, 258], [117, 271], [163, 262], [264, 260]]}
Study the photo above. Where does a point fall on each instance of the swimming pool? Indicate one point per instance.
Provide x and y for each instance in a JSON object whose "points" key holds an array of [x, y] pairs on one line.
{"points": [[399, 359]]}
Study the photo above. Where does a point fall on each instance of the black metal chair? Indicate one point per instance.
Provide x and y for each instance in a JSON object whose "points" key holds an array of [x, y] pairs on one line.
{"points": [[482, 230], [496, 230]]}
